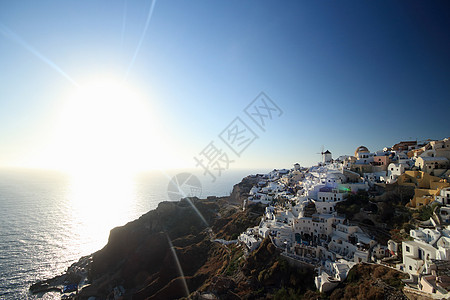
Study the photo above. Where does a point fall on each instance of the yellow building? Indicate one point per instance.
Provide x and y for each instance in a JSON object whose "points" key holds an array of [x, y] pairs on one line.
{"points": [[423, 197], [426, 186]]}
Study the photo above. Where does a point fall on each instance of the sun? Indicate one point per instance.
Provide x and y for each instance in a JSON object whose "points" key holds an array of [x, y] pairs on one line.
{"points": [[108, 127]]}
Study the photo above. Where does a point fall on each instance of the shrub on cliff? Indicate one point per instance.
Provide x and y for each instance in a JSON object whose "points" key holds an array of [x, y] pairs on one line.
{"points": [[272, 273]]}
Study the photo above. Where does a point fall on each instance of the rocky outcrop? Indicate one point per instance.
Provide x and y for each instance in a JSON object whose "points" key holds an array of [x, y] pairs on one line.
{"points": [[241, 190], [143, 255]]}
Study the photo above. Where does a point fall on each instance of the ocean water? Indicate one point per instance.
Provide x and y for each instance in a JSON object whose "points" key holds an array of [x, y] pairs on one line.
{"points": [[48, 220]]}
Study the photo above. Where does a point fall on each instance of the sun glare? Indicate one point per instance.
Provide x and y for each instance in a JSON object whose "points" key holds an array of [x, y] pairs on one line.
{"points": [[106, 133], [106, 127]]}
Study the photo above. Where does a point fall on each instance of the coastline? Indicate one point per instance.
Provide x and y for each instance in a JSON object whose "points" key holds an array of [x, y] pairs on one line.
{"points": [[157, 225]]}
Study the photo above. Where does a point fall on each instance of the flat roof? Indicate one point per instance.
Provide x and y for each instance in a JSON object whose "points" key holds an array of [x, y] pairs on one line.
{"points": [[422, 245], [437, 158]]}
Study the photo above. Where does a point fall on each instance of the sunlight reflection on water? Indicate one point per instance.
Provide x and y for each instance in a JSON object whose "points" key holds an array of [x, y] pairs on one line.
{"points": [[98, 204]]}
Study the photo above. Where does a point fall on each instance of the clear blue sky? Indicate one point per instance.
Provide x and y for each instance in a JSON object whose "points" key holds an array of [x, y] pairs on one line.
{"points": [[345, 73]]}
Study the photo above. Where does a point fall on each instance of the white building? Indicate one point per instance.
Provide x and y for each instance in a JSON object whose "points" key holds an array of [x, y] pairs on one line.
{"points": [[351, 243], [444, 196], [251, 238], [319, 226], [445, 214], [331, 274], [428, 244], [324, 282], [417, 257], [330, 195], [327, 199], [355, 187], [394, 170]]}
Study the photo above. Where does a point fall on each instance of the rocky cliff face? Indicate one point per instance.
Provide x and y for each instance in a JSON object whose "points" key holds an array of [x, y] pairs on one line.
{"points": [[139, 255]]}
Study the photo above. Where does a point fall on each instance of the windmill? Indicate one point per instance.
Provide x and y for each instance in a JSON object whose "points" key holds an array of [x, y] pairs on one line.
{"points": [[321, 152], [320, 163]]}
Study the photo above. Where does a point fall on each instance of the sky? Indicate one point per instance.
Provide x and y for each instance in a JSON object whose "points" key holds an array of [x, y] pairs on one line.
{"points": [[155, 84]]}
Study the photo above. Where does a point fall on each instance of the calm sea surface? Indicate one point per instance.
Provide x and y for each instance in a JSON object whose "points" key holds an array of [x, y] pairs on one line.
{"points": [[48, 220]]}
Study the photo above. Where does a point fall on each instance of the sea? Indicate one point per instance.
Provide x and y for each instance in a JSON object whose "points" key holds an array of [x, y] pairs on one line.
{"points": [[49, 219]]}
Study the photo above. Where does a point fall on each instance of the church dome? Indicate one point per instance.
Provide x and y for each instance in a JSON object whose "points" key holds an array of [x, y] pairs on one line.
{"points": [[361, 149]]}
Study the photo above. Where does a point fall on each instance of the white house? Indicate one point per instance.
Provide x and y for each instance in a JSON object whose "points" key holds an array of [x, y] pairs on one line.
{"points": [[324, 282], [332, 273], [394, 170], [351, 242], [445, 214], [330, 195], [417, 257], [444, 196], [428, 244], [250, 238]]}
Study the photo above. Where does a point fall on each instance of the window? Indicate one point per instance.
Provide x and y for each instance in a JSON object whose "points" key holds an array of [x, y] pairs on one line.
{"points": [[407, 249], [410, 268]]}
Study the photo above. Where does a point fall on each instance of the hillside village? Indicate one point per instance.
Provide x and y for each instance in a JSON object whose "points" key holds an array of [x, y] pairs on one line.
{"points": [[397, 214], [374, 225]]}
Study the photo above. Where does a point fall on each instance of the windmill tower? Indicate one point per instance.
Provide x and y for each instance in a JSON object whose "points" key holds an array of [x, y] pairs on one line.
{"points": [[326, 156]]}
